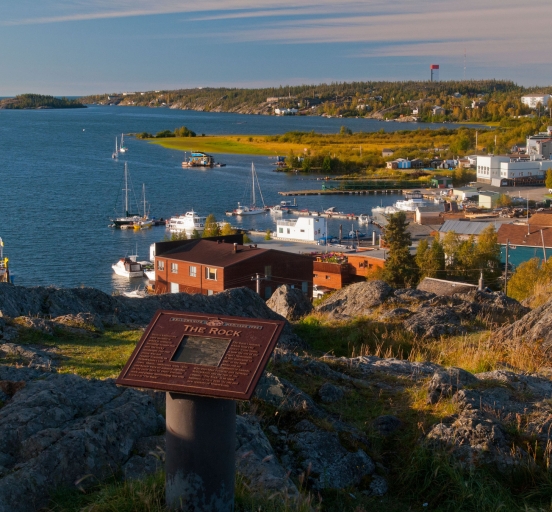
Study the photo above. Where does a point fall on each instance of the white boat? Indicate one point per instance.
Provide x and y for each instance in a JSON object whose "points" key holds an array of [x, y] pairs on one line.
{"points": [[332, 211], [115, 154], [410, 205], [187, 223], [279, 210], [4, 271], [128, 267], [122, 148], [252, 209], [150, 274], [131, 220], [364, 218]]}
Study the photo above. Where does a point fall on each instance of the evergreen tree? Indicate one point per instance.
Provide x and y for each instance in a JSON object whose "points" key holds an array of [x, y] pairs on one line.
{"points": [[181, 235], [195, 234], [400, 268], [211, 226]]}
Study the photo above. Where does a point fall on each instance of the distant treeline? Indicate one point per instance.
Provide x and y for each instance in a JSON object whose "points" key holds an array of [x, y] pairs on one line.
{"points": [[178, 132], [494, 99], [39, 101]]}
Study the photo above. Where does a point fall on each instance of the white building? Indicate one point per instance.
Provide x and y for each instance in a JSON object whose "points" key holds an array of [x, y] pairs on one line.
{"points": [[531, 147], [305, 229], [496, 170], [488, 168], [532, 100], [285, 111]]}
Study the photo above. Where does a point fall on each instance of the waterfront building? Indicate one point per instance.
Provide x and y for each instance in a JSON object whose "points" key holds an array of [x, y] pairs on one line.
{"points": [[304, 229], [502, 171], [209, 267]]}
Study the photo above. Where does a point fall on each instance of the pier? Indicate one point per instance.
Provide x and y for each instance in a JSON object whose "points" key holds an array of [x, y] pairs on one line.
{"points": [[335, 192]]}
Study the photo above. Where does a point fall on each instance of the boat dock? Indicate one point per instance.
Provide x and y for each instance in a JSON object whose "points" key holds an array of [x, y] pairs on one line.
{"points": [[335, 192], [336, 215]]}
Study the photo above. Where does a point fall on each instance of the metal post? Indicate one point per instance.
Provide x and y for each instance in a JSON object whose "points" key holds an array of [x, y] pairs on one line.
{"points": [[543, 247], [481, 281], [506, 271], [200, 453]]}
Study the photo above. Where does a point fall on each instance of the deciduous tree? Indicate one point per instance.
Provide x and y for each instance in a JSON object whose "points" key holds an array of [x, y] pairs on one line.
{"points": [[211, 226]]}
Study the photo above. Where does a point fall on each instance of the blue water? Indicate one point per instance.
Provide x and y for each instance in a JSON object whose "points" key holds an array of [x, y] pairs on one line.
{"points": [[59, 185]]}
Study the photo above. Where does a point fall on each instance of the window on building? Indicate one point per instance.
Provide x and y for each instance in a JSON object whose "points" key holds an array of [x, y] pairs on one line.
{"points": [[211, 273], [268, 270], [160, 265], [193, 271], [175, 288], [288, 231], [304, 287], [268, 292], [302, 230], [210, 292], [280, 230], [174, 268], [327, 277]]}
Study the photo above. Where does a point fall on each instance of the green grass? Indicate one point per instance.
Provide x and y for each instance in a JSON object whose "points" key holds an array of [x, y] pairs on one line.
{"points": [[90, 355]]}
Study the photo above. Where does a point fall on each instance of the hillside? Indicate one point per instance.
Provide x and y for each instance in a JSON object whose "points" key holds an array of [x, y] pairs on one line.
{"points": [[381, 100]]}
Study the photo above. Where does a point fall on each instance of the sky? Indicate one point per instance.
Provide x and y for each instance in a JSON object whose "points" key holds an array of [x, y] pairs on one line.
{"points": [[77, 47]]}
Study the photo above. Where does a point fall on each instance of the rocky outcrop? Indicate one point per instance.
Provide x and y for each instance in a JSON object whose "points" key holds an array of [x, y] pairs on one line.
{"points": [[88, 310], [423, 313], [359, 299], [534, 328], [291, 303]]}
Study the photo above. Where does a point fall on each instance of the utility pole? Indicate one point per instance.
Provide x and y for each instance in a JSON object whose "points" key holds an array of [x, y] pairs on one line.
{"points": [[258, 278], [506, 269], [543, 247]]}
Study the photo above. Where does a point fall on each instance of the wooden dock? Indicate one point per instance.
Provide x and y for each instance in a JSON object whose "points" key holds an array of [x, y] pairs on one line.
{"points": [[332, 192]]}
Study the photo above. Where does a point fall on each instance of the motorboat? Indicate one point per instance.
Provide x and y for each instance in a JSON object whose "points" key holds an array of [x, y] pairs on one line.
{"points": [[187, 223], [115, 154], [289, 204], [332, 211], [198, 159], [128, 267], [252, 209], [364, 218], [277, 209]]}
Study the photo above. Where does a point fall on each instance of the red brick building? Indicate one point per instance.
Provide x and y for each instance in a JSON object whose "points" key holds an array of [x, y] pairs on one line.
{"points": [[209, 267], [353, 270]]}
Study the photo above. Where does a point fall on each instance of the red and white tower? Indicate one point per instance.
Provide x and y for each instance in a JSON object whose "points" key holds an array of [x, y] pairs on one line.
{"points": [[434, 68]]}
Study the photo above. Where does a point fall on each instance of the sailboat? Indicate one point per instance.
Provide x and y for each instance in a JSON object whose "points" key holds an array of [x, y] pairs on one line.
{"points": [[145, 222], [122, 148], [128, 219], [252, 209], [116, 152]]}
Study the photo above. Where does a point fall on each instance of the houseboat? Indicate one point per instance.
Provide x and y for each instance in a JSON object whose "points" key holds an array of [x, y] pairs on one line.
{"points": [[198, 159], [304, 229], [187, 223]]}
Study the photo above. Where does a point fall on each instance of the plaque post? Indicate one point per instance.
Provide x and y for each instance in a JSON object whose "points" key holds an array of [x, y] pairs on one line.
{"points": [[200, 454]]}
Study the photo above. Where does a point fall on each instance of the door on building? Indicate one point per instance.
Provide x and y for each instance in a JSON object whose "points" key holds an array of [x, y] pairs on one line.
{"points": [[175, 288]]}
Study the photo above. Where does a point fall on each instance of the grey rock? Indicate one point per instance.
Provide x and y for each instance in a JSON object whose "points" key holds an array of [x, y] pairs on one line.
{"points": [[395, 313], [305, 426], [83, 320], [434, 322], [31, 356], [148, 459], [447, 382], [378, 486], [36, 324], [413, 295], [57, 429], [328, 465], [256, 460], [9, 333], [289, 302], [386, 425], [330, 393], [359, 299]]}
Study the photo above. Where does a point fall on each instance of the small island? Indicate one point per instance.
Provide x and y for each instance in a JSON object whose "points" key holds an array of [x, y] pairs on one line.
{"points": [[38, 101]]}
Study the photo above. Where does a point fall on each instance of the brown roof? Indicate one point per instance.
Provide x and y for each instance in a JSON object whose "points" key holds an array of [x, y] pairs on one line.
{"points": [[541, 219], [212, 253], [517, 235]]}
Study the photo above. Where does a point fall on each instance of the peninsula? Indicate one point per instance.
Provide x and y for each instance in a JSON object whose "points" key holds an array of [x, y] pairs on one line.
{"points": [[38, 101]]}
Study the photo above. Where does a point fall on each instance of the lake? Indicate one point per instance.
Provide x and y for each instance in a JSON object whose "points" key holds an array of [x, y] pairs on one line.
{"points": [[60, 185]]}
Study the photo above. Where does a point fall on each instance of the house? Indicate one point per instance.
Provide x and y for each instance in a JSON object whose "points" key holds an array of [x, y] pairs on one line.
{"points": [[351, 268], [399, 163], [212, 266], [415, 111], [532, 100], [386, 152], [443, 287], [438, 181], [429, 215], [417, 163], [488, 199], [463, 193], [541, 219], [478, 104], [464, 163], [524, 242], [463, 228], [438, 111], [306, 229]]}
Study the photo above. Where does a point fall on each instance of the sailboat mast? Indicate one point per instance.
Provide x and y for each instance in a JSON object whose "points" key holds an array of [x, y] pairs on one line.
{"points": [[126, 191], [144, 194], [253, 182]]}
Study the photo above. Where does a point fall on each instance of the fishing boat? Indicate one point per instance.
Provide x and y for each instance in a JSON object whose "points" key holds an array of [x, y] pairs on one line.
{"points": [[122, 148], [115, 154], [128, 267], [252, 209], [130, 220], [187, 223], [4, 270]]}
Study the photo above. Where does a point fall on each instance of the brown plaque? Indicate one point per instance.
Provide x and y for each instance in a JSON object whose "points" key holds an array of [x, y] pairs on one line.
{"points": [[197, 354]]}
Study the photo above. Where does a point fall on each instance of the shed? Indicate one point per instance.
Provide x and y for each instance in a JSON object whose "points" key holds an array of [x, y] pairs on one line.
{"points": [[386, 152], [464, 229], [441, 181], [488, 199], [430, 214]]}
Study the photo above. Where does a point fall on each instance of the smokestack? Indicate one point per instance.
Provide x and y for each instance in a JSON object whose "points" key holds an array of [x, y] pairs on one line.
{"points": [[235, 249]]}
